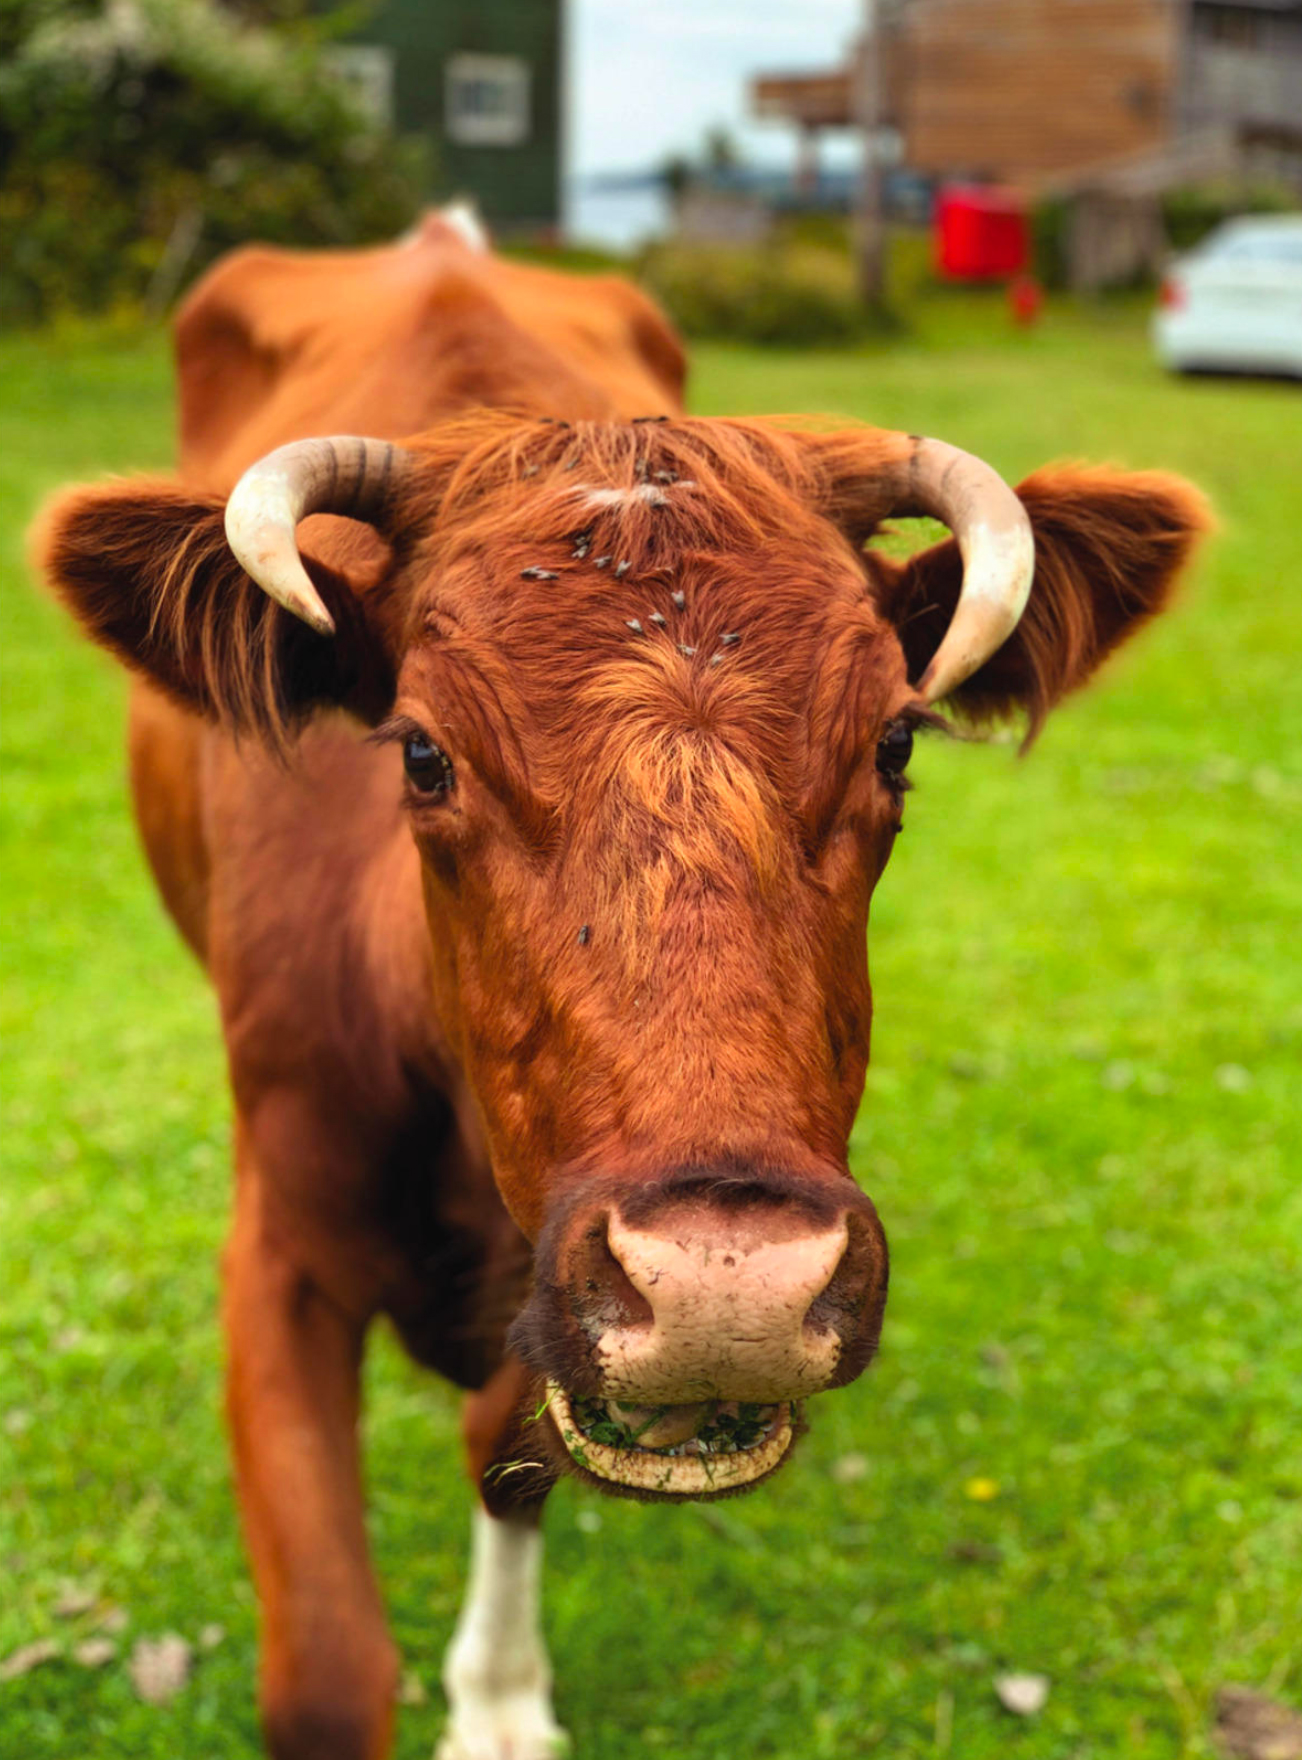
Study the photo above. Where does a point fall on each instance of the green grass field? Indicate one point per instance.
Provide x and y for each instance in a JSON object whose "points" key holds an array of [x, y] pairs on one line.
{"points": [[1079, 1453]]}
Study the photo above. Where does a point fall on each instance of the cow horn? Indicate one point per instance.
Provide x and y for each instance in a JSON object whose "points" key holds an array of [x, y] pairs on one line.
{"points": [[994, 538], [345, 475]]}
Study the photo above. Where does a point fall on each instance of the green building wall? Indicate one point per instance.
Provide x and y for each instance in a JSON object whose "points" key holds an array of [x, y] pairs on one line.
{"points": [[516, 186]]}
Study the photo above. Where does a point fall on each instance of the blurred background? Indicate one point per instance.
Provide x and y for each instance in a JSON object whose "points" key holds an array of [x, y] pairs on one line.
{"points": [[1038, 229], [787, 174]]}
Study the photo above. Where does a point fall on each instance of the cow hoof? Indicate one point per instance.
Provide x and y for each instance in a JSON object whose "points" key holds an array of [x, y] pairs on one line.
{"points": [[518, 1727]]}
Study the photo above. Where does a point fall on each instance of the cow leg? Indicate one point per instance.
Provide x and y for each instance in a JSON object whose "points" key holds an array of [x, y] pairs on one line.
{"points": [[328, 1667], [496, 1673]]}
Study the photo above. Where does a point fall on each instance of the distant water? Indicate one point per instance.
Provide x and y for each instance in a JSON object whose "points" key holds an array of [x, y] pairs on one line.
{"points": [[619, 219]]}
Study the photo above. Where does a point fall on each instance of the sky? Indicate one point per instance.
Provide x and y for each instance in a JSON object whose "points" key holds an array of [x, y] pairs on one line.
{"points": [[648, 77]]}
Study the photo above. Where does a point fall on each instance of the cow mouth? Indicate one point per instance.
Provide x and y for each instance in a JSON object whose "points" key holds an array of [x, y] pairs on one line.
{"points": [[696, 1450]]}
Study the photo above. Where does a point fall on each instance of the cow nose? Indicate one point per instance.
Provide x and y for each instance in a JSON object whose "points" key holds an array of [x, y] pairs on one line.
{"points": [[716, 1306]]}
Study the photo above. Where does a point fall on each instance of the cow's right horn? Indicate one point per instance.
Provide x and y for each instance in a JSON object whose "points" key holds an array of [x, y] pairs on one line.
{"points": [[345, 474], [994, 537]]}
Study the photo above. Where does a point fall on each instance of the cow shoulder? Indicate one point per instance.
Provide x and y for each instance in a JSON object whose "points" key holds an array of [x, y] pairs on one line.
{"points": [[229, 345], [612, 333], [652, 336]]}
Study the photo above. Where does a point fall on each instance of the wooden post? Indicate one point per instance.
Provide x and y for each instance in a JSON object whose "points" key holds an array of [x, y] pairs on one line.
{"points": [[807, 160], [870, 240]]}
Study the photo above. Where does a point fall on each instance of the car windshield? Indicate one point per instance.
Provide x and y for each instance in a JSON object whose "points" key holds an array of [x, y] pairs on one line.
{"points": [[1273, 245]]}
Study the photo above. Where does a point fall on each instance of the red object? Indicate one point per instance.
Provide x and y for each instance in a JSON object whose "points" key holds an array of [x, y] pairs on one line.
{"points": [[1171, 295], [982, 233], [1025, 299]]}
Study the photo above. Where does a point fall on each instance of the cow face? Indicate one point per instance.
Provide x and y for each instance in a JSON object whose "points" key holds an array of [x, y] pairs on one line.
{"points": [[652, 708], [654, 732]]}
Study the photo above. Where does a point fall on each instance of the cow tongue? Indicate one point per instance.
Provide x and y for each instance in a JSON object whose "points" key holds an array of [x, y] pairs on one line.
{"points": [[704, 1427], [658, 1426]]}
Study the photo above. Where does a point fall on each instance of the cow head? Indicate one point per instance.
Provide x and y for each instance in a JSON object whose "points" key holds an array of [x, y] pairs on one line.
{"points": [[650, 704]]}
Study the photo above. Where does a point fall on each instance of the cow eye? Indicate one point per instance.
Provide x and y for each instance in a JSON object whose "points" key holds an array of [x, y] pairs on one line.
{"points": [[428, 769], [894, 749]]}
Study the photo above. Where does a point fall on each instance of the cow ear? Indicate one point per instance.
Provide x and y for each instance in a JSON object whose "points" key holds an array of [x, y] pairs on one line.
{"points": [[1109, 547], [145, 568]]}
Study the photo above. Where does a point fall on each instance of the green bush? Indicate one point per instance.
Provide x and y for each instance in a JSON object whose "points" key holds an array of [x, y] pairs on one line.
{"points": [[1190, 214], [139, 141], [1049, 252], [795, 297]]}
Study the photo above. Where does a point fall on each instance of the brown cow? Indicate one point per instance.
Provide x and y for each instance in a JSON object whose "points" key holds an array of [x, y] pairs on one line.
{"points": [[527, 826]]}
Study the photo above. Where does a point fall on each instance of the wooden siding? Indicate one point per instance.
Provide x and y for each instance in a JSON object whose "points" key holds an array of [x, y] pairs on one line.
{"points": [[1021, 89]]}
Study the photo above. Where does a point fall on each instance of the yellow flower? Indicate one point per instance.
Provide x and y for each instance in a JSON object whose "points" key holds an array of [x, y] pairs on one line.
{"points": [[981, 1490]]}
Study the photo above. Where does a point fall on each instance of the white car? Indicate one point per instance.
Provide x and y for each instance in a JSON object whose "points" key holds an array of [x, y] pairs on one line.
{"points": [[1235, 303]]}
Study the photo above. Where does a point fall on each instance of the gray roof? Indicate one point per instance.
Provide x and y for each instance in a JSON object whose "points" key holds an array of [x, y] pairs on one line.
{"points": [[1286, 6]]}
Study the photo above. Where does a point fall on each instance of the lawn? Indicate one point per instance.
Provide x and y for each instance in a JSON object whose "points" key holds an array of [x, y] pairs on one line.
{"points": [[1079, 1452]]}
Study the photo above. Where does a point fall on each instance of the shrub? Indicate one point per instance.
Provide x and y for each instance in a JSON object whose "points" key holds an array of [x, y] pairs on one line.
{"points": [[1050, 220], [798, 296], [140, 141], [1190, 214]]}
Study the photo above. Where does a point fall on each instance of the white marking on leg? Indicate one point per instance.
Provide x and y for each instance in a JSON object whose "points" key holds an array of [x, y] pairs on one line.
{"points": [[496, 1674]]}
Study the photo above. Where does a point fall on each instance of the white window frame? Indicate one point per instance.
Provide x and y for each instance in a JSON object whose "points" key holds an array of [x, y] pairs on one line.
{"points": [[507, 122]]}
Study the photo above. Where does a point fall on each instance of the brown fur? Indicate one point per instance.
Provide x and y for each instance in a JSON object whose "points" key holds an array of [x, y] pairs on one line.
{"points": [[1109, 548], [630, 940], [147, 571]]}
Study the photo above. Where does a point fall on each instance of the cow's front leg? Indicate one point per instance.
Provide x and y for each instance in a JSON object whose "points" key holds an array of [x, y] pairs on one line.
{"points": [[328, 1668], [496, 1673]]}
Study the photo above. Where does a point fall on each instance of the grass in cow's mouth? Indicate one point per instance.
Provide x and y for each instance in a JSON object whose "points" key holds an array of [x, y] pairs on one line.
{"points": [[702, 1449], [598, 1426], [726, 1427], [543, 1404]]}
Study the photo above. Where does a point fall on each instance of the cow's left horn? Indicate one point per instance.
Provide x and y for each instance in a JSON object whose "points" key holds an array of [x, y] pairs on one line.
{"points": [[345, 475], [994, 538]]}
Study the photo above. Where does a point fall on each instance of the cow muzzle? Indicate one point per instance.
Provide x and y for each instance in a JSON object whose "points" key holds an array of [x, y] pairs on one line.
{"points": [[679, 1331]]}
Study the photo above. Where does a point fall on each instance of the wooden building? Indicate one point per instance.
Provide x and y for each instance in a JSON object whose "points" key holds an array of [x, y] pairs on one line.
{"points": [[1021, 90], [481, 79], [1034, 92]]}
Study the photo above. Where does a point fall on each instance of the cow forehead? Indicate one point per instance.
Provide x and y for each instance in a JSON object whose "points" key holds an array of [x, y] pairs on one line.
{"points": [[578, 603], [581, 543], [608, 590], [591, 580]]}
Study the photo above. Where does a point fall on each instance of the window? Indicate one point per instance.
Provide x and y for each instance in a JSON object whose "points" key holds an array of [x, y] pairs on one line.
{"points": [[1258, 247], [486, 100], [1238, 26]]}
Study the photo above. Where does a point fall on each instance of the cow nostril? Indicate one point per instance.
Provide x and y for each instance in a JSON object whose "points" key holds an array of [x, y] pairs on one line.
{"points": [[601, 1292], [852, 1303], [670, 1298]]}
